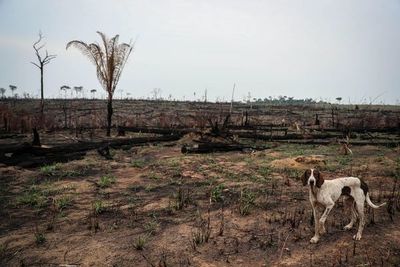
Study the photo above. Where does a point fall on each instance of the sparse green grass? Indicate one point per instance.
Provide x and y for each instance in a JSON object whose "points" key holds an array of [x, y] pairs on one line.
{"points": [[182, 198], [106, 181], [138, 163], [291, 173], [154, 176], [74, 173], [216, 193], [50, 170], [37, 195], [294, 150], [246, 202], [140, 242], [344, 160], [174, 163], [264, 171], [249, 161], [98, 207], [33, 197], [151, 227], [199, 237], [202, 231], [63, 202], [258, 179], [329, 167], [57, 170]]}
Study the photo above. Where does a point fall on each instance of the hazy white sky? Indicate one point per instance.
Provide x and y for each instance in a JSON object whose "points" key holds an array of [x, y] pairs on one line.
{"points": [[319, 49]]}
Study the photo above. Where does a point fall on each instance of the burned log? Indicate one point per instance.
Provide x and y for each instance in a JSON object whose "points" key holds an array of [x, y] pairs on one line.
{"points": [[27, 161], [164, 131], [218, 147], [14, 155], [12, 136]]}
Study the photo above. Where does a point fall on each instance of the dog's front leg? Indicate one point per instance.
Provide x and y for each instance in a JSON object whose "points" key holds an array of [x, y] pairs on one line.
{"points": [[323, 218], [315, 238]]}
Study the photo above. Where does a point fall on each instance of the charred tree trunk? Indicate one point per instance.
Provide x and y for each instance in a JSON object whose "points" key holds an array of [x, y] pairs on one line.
{"points": [[316, 120], [36, 138], [65, 115], [5, 124], [41, 91], [109, 114]]}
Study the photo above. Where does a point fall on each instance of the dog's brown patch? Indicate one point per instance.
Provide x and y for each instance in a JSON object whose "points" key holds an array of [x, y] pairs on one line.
{"points": [[305, 176], [320, 179], [346, 191], [364, 187]]}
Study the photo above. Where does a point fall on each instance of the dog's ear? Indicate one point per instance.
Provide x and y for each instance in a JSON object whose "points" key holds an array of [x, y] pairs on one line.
{"points": [[319, 177], [304, 178]]}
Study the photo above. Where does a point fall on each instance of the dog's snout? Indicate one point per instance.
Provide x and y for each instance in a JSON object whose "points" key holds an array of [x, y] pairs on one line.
{"points": [[311, 182]]}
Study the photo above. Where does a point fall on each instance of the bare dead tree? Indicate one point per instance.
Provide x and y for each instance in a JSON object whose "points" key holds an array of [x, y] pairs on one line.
{"points": [[109, 61], [42, 61]]}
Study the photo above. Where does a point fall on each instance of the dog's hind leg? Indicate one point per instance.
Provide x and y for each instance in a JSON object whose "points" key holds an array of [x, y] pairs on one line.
{"points": [[350, 203], [360, 210]]}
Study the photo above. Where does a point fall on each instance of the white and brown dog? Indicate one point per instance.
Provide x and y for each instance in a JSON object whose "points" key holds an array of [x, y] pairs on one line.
{"points": [[326, 192]]}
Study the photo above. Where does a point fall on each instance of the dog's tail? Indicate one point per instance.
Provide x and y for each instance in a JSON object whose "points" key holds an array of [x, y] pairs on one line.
{"points": [[372, 205]]}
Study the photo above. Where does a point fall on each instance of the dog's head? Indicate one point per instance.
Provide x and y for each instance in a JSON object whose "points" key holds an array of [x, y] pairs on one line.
{"points": [[312, 177]]}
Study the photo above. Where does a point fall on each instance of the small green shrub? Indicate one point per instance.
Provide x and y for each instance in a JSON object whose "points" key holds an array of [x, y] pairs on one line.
{"points": [[106, 181], [98, 207], [151, 227], [182, 198], [216, 193], [63, 202], [246, 202], [140, 242]]}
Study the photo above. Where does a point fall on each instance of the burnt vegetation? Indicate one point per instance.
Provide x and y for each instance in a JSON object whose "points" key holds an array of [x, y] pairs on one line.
{"points": [[191, 183]]}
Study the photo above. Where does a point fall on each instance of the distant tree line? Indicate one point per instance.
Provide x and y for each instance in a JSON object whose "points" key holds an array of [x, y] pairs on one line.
{"points": [[286, 100]]}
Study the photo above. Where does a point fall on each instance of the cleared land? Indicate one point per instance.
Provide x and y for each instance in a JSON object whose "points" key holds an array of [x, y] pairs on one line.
{"points": [[151, 205]]}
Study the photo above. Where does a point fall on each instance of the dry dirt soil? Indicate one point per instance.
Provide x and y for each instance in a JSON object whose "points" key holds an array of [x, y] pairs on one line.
{"points": [[153, 206]]}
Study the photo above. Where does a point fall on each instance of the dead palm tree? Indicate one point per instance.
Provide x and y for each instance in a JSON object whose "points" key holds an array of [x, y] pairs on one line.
{"points": [[109, 61]]}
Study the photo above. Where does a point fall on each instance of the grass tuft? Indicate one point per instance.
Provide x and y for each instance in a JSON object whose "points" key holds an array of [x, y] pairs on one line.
{"points": [[98, 207], [106, 181]]}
